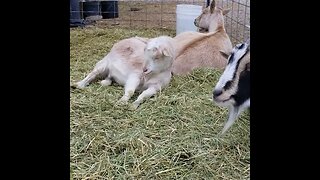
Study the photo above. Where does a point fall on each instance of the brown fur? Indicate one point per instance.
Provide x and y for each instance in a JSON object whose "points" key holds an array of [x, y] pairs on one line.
{"points": [[199, 50], [202, 51]]}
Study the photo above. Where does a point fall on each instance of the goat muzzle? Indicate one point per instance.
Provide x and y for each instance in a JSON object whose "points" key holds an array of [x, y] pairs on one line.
{"points": [[216, 93]]}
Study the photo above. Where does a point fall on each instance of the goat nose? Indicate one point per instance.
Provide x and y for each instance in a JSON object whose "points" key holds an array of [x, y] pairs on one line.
{"points": [[217, 93], [145, 69], [195, 22]]}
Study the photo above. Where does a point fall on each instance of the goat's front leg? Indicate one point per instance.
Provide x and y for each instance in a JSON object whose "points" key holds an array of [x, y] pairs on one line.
{"points": [[144, 95], [131, 85], [233, 114]]}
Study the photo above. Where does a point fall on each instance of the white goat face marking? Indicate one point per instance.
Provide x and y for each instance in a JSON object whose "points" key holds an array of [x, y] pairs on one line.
{"points": [[224, 84]]}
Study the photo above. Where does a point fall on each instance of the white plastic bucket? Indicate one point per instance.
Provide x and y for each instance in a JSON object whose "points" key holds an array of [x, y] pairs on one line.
{"points": [[185, 16]]}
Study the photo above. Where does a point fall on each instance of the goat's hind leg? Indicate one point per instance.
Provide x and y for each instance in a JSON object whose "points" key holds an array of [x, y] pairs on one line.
{"points": [[100, 70]]}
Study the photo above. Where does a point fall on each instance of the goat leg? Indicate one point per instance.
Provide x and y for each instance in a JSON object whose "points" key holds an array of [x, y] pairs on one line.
{"points": [[130, 87], [233, 114], [144, 95]]}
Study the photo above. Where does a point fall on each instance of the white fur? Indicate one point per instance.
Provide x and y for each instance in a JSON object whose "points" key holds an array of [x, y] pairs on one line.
{"points": [[234, 112], [227, 74], [137, 64], [225, 77], [225, 98]]}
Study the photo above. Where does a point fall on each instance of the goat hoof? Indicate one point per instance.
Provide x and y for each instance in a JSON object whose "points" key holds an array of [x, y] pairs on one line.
{"points": [[122, 101], [77, 86], [135, 105], [105, 82]]}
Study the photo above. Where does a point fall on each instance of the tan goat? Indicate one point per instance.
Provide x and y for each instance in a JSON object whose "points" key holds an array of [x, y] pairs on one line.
{"points": [[197, 50]]}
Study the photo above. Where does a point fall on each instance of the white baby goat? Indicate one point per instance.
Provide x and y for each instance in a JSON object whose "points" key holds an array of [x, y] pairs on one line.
{"points": [[137, 64]]}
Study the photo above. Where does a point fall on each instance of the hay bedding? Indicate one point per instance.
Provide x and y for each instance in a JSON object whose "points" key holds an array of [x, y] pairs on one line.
{"points": [[170, 136]]}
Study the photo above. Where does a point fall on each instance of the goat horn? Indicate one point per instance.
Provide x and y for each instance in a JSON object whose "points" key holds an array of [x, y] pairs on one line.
{"points": [[213, 4]]}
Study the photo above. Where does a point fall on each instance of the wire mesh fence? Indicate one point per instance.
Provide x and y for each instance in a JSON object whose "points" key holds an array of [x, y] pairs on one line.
{"points": [[237, 21], [162, 14]]}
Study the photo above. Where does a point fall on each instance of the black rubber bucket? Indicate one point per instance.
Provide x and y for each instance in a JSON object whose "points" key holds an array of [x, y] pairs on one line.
{"points": [[91, 8], [109, 9]]}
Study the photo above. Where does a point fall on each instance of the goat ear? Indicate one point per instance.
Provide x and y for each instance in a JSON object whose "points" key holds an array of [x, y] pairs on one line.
{"points": [[212, 6], [225, 55], [225, 11], [165, 52]]}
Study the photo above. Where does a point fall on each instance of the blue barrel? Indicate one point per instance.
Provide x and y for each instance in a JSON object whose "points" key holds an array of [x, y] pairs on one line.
{"points": [[75, 17], [109, 9], [91, 8]]}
